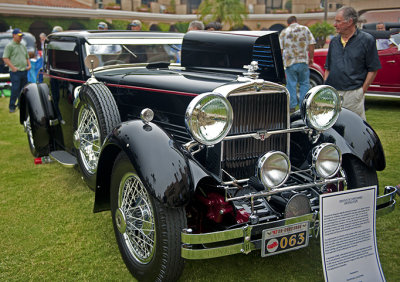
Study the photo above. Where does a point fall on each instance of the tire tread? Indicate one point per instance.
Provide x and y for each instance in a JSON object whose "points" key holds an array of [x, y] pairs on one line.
{"points": [[358, 174]]}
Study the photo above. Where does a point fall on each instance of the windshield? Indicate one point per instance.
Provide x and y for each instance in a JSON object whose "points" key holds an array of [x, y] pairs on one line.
{"points": [[5, 40], [114, 54], [395, 39]]}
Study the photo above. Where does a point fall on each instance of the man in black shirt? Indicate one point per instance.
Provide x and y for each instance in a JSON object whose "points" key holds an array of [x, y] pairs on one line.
{"points": [[352, 61]]}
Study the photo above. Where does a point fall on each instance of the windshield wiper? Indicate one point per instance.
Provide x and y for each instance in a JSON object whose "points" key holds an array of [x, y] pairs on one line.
{"points": [[129, 51], [175, 47]]}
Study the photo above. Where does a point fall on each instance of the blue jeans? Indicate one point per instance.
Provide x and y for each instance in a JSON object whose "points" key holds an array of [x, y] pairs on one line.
{"points": [[18, 81], [297, 73]]}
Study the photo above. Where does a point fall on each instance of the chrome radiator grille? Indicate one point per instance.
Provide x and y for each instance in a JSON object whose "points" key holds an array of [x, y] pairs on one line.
{"points": [[252, 113]]}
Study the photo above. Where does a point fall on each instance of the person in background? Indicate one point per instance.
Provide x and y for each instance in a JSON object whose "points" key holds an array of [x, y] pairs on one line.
{"points": [[172, 28], [297, 44], [352, 61], [102, 26], [196, 25], [380, 26], [213, 26], [42, 38], [16, 57], [32, 74], [154, 27], [57, 28], [135, 25], [382, 44], [39, 59]]}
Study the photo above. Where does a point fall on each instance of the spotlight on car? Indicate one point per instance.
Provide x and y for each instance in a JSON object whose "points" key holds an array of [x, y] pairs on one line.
{"points": [[326, 160], [273, 169], [209, 118], [146, 115], [321, 107]]}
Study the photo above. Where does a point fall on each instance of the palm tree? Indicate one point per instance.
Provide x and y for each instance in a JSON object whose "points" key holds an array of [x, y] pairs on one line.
{"points": [[321, 31], [231, 12]]}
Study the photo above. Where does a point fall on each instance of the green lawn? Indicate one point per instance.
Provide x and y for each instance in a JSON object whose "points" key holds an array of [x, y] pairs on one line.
{"points": [[48, 230]]}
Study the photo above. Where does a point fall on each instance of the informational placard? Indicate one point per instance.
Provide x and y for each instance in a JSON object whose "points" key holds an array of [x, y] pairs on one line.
{"points": [[348, 239]]}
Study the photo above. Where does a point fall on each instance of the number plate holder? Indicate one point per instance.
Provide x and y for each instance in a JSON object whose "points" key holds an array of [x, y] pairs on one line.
{"points": [[284, 238]]}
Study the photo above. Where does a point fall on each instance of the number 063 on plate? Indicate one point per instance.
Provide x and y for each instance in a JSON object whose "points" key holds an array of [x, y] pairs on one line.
{"points": [[285, 238]]}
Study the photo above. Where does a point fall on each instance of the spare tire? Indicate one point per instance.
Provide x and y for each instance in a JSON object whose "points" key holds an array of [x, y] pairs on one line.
{"points": [[95, 116]]}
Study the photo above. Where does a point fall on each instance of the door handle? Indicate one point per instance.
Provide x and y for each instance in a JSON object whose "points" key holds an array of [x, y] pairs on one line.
{"points": [[391, 62]]}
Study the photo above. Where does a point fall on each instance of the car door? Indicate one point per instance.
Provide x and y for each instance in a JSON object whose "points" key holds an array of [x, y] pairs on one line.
{"points": [[63, 76], [389, 75]]}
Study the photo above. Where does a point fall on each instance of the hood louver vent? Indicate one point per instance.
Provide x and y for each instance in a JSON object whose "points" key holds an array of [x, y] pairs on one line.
{"points": [[264, 56]]}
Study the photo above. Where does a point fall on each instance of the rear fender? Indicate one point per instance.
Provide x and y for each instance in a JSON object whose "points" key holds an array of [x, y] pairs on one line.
{"points": [[167, 171], [35, 100]]}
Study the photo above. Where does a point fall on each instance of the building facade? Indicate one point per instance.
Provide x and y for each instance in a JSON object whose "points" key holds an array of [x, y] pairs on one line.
{"points": [[191, 6], [41, 15]]}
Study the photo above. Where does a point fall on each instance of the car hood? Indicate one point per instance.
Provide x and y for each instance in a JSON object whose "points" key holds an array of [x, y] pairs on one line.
{"points": [[320, 52], [175, 80]]}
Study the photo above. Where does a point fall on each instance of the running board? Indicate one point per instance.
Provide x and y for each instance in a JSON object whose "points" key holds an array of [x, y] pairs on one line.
{"points": [[64, 158]]}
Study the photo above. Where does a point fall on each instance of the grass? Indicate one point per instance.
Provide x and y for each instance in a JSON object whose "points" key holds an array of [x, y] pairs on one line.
{"points": [[48, 230]]}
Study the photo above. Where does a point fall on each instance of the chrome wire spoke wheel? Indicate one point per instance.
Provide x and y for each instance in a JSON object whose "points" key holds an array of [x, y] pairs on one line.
{"points": [[148, 233], [89, 136], [134, 204], [28, 130]]}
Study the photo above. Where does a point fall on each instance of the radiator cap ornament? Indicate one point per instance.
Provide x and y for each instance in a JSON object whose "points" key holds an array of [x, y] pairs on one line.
{"points": [[251, 70]]}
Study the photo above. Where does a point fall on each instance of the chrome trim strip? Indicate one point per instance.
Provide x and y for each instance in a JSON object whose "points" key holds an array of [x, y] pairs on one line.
{"points": [[267, 134], [53, 122], [212, 237], [388, 197], [133, 41], [214, 252], [296, 172], [386, 210], [257, 85], [289, 188]]}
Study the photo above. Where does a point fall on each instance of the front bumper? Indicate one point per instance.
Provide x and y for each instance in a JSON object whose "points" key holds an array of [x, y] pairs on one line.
{"points": [[248, 238]]}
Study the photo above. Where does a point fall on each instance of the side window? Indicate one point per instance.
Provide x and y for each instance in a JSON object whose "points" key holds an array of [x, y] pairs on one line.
{"points": [[63, 56]]}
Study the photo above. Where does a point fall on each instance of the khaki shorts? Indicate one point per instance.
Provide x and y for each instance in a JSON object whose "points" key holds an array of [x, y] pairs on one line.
{"points": [[354, 101]]}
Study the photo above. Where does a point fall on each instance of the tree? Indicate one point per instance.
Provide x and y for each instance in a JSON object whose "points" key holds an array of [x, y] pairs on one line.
{"points": [[288, 5], [320, 32], [231, 12]]}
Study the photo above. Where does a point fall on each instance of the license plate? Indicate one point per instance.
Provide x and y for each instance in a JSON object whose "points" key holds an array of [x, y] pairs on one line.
{"points": [[284, 238]]}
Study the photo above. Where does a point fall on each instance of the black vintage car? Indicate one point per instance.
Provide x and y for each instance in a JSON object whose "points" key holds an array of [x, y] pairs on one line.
{"points": [[189, 142]]}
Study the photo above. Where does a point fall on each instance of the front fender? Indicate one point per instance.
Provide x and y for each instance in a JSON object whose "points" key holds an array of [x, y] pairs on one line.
{"points": [[360, 139], [351, 134], [166, 170], [318, 69]]}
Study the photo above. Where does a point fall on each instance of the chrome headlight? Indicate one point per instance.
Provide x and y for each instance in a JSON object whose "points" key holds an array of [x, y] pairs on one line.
{"points": [[320, 108], [273, 169], [326, 160], [209, 118]]}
